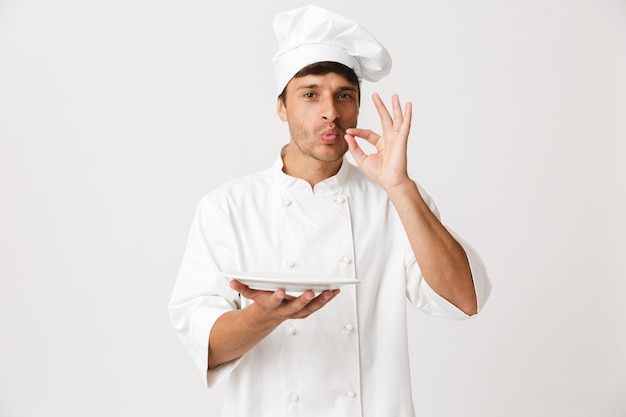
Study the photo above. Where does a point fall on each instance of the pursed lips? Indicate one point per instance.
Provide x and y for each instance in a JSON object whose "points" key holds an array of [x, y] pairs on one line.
{"points": [[329, 136]]}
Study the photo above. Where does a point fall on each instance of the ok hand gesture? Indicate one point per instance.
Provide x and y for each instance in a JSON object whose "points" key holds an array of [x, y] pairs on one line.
{"points": [[388, 167]]}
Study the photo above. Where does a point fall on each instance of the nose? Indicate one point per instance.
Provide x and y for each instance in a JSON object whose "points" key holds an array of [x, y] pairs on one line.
{"points": [[330, 112]]}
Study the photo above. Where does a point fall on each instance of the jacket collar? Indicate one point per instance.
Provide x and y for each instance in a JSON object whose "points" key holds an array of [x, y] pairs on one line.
{"points": [[332, 185]]}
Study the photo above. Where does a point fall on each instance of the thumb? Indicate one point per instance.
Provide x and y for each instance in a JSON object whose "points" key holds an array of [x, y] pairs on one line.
{"points": [[355, 150]]}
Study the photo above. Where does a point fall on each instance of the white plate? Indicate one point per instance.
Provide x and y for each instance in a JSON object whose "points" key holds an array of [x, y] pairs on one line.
{"points": [[288, 281]]}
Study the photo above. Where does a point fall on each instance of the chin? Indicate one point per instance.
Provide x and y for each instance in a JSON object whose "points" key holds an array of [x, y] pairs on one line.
{"points": [[331, 156]]}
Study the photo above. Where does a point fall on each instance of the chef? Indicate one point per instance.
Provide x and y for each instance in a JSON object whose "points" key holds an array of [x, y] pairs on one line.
{"points": [[342, 351]]}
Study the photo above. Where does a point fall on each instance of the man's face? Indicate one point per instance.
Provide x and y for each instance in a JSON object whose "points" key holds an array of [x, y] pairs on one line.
{"points": [[319, 109]]}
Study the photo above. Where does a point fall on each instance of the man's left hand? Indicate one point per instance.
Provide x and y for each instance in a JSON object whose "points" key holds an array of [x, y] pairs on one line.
{"points": [[388, 166]]}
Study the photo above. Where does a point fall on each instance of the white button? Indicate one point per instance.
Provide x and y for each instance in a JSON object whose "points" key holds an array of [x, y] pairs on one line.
{"points": [[340, 200], [292, 330], [346, 261], [294, 396], [351, 394], [290, 264], [348, 328], [287, 202]]}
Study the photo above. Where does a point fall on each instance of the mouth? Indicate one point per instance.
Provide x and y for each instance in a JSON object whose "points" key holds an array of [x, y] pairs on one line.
{"points": [[330, 136]]}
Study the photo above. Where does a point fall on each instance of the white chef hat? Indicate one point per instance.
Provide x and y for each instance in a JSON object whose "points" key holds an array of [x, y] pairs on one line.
{"points": [[312, 34]]}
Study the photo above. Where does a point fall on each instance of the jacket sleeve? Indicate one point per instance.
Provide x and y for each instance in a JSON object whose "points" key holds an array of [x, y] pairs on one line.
{"points": [[425, 298], [201, 294]]}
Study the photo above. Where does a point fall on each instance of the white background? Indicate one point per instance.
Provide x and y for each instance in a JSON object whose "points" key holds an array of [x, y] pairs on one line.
{"points": [[117, 116]]}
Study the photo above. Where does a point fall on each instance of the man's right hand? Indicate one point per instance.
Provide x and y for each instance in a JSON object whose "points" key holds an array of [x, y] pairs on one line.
{"points": [[236, 332], [278, 306]]}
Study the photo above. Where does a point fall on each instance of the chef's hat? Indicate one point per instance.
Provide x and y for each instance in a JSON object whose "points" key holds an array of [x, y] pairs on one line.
{"points": [[312, 34]]}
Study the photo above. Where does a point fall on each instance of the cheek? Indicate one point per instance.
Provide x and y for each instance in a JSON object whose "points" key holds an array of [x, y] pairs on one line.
{"points": [[351, 115], [297, 130], [351, 109]]}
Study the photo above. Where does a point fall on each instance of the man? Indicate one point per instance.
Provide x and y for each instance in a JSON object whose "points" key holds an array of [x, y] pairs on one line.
{"points": [[341, 352]]}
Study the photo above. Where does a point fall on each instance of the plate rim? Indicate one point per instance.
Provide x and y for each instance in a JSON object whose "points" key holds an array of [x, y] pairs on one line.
{"points": [[263, 277]]}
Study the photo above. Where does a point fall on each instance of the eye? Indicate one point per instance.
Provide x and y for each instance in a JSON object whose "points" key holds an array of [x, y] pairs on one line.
{"points": [[344, 96], [309, 95]]}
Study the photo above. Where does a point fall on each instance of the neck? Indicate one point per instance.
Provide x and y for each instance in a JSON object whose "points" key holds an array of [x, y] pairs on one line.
{"points": [[307, 168]]}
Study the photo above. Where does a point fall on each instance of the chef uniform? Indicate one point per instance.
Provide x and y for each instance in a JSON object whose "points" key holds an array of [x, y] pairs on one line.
{"points": [[350, 358]]}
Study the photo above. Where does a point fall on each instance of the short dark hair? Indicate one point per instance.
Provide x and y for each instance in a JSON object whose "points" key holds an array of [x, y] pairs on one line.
{"points": [[325, 67]]}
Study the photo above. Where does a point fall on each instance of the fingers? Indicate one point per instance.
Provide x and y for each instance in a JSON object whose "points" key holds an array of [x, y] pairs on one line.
{"points": [[242, 289], [368, 135], [385, 118], [313, 305], [279, 304], [408, 115], [295, 305], [274, 298], [356, 151], [400, 119], [397, 110]]}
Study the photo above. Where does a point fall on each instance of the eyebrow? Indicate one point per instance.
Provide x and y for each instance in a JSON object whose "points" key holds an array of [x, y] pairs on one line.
{"points": [[348, 88], [317, 86]]}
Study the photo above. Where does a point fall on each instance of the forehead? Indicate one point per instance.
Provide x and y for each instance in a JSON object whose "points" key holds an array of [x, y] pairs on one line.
{"points": [[331, 80]]}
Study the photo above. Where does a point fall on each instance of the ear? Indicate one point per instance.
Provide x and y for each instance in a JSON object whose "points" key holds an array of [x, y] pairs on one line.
{"points": [[281, 110]]}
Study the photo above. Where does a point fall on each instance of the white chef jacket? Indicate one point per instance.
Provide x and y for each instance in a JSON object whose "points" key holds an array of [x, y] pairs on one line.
{"points": [[351, 357]]}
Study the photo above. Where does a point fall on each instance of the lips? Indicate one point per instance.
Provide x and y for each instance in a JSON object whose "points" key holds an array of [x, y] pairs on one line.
{"points": [[330, 136]]}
